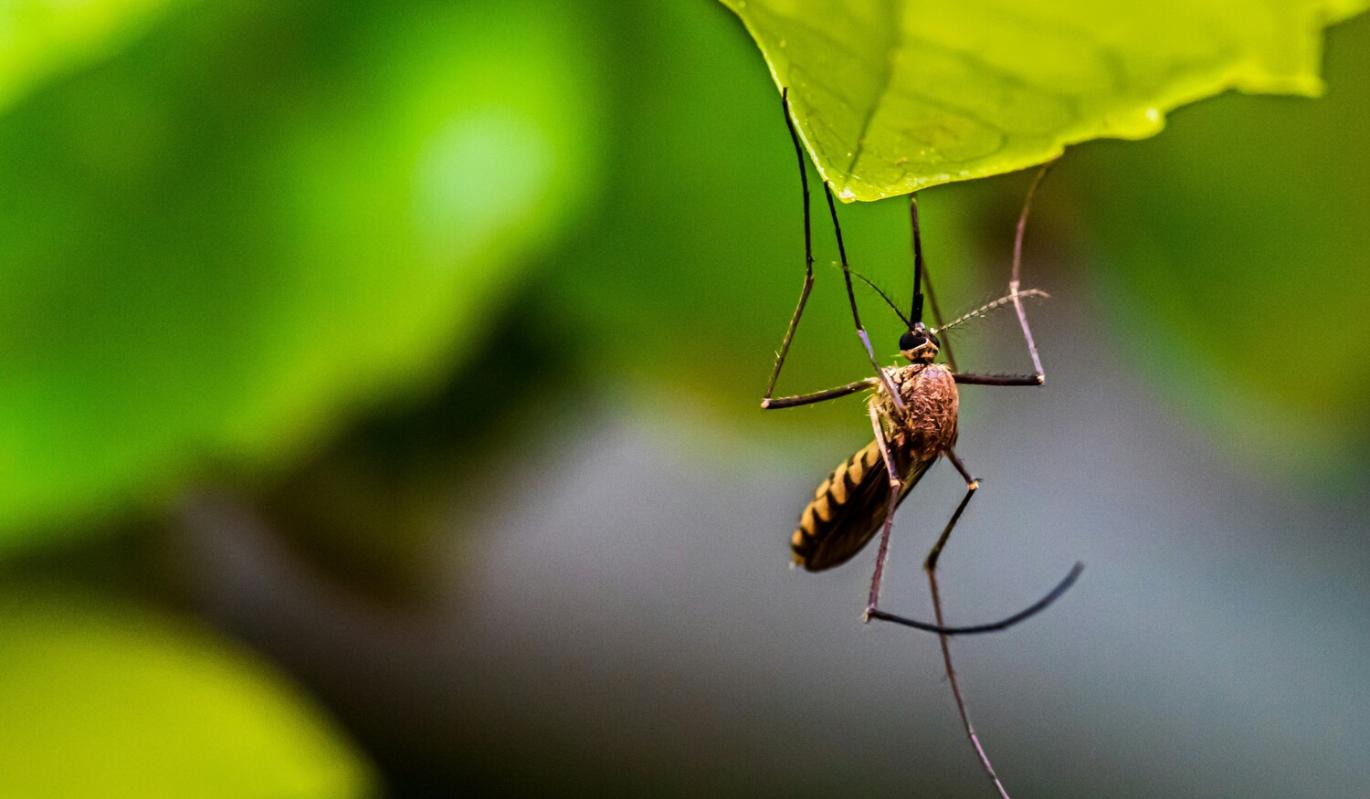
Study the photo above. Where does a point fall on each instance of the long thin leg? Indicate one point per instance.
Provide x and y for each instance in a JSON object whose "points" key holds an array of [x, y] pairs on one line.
{"points": [[1000, 380], [1014, 281], [896, 490], [937, 317], [873, 610], [920, 268], [818, 396], [808, 253], [972, 485], [930, 566], [956, 693], [856, 315], [1038, 376], [993, 627]]}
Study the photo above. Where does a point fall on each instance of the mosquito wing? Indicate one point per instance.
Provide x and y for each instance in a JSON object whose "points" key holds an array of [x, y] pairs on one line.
{"points": [[849, 507]]}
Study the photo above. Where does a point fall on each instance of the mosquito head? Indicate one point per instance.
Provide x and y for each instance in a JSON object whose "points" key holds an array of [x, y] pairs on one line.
{"points": [[919, 345]]}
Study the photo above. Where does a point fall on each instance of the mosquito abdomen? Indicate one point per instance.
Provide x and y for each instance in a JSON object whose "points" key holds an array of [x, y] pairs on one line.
{"points": [[831, 500]]}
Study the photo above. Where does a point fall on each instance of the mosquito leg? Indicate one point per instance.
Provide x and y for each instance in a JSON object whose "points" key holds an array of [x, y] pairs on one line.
{"points": [[771, 403], [896, 489], [993, 627], [972, 485], [808, 253], [1015, 295], [1015, 275], [956, 694], [937, 317], [855, 315], [873, 610], [920, 273], [1001, 380], [930, 566]]}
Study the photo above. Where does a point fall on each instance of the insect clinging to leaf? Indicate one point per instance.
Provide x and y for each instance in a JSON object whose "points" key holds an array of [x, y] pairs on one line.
{"points": [[914, 412]]}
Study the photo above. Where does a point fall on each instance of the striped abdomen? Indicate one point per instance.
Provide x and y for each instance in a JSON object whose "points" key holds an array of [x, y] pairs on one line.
{"points": [[850, 505]]}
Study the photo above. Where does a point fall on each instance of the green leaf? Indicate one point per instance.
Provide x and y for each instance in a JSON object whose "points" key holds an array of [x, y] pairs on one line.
{"points": [[259, 219], [115, 701], [1236, 271], [892, 96], [42, 39]]}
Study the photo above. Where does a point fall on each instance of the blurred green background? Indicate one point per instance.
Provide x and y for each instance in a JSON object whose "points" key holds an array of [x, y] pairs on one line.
{"points": [[378, 416]]}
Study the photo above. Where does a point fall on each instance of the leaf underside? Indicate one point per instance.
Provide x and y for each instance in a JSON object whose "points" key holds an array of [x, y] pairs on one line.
{"points": [[894, 96]]}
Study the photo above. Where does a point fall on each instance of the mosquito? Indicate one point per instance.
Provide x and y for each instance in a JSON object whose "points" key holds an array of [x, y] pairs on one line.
{"points": [[913, 410]]}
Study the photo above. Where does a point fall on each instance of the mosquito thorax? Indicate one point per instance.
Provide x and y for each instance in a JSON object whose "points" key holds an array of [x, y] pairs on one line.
{"points": [[919, 345]]}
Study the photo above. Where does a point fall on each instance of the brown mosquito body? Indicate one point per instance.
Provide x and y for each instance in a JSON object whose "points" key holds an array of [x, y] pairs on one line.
{"points": [[913, 410], [850, 505]]}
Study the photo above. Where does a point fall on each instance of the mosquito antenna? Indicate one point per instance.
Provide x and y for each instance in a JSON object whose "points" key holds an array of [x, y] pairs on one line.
{"points": [[884, 297], [916, 311], [992, 305]]}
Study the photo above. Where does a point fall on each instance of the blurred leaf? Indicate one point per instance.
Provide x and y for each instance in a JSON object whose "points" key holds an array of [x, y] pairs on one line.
{"points": [[373, 507], [1236, 253], [892, 96], [41, 39], [261, 217], [111, 701]]}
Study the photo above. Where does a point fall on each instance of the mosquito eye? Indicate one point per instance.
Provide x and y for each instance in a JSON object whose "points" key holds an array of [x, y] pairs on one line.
{"points": [[936, 342], [911, 340]]}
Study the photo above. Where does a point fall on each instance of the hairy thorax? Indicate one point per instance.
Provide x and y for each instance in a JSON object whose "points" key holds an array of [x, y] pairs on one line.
{"points": [[931, 404]]}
